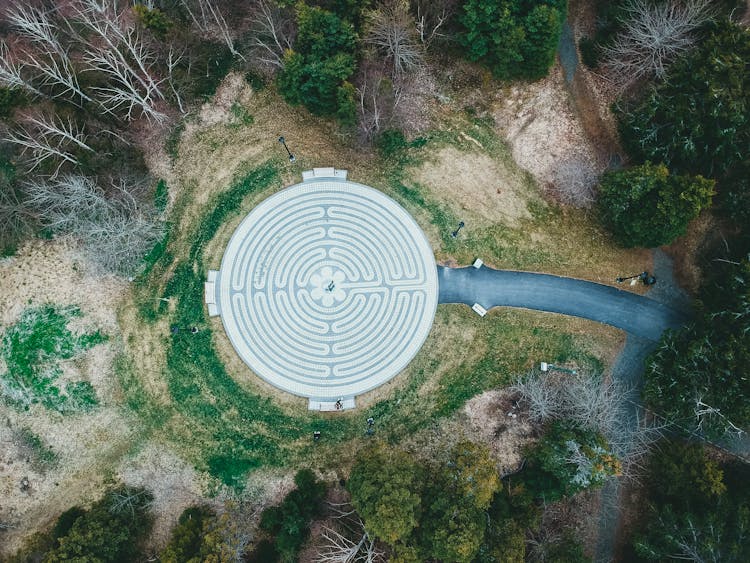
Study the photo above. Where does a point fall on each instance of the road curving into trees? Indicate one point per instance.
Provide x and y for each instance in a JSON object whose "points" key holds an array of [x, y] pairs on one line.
{"points": [[635, 314]]}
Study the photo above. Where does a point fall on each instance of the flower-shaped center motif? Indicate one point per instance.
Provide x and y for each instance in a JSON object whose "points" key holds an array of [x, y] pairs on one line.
{"points": [[326, 286]]}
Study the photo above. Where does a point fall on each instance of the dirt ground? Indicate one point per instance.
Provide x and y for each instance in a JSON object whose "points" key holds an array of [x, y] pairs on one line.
{"points": [[494, 419], [548, 139], [481, 186], [87, 445]]}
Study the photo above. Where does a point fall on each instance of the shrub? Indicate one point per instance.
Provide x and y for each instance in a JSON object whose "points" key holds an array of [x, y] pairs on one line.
{"points": [[187, 542], [515, 39], [153, 19], [646, 206], [112, 530], [568, 460]]}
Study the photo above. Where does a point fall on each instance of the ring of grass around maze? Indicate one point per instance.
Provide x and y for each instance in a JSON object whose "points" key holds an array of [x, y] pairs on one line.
{"points": [[327, 289]]}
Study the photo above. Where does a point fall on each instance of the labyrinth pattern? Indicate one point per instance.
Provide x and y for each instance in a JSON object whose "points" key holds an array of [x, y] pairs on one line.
{"points": [[327, 289]]}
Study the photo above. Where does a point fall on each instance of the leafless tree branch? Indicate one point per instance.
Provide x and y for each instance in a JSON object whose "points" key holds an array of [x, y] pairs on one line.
{"points": [[115, 231], [654, 34], [118, 51], [273, 32], [390, 29], [432, 15], [11, 75], [208, 18]]}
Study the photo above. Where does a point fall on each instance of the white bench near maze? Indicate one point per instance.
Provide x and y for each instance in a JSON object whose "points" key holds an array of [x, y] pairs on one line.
{"points": [[317, 173], [209, 293], [331, 406]]}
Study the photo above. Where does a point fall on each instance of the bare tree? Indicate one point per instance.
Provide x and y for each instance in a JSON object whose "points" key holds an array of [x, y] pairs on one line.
{"points": [[16, 219], [11, 75], [208, 18], [606, 407], [272, 32], [377, 100], [45, 138], [115, 231], [340, 549], [127, 499], [432, 15], [56, 70], [541, 395], [115, 47], [574, 180], [53, 64], [390, 29], [173, 60], [595, 405], [349, 542], [654, 34]]}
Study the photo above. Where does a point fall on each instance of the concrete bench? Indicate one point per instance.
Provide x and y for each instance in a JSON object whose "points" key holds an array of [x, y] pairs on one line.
{"points": [[328, 172], [330, 406], [478, 309], [209, 293]]}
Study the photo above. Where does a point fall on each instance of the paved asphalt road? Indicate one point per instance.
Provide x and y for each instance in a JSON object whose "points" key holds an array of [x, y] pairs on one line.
{"points": [[635, 314]]}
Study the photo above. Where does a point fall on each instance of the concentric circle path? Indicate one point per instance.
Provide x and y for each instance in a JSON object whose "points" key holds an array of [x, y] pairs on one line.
{"points": [[327, 289]]}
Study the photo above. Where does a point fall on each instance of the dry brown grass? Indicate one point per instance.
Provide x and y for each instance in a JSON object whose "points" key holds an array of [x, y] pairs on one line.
{"points": [[482, 189]]}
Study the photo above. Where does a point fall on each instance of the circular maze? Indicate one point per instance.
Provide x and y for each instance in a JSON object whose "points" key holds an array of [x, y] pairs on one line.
{"points": [[327, 289]]}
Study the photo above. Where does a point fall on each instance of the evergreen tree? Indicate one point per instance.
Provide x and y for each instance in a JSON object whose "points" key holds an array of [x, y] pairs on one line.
{"points": [[699, 375], [514, 38], [315, 73], [647, 206]]}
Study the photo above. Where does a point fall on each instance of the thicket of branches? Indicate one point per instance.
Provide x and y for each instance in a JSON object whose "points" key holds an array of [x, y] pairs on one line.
{"points": [[606, 407], [116, 226], [653, 35], [76, 78]]}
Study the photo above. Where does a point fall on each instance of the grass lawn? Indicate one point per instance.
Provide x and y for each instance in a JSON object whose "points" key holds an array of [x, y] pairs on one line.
{"points": [[32, 349], [191, 391]]}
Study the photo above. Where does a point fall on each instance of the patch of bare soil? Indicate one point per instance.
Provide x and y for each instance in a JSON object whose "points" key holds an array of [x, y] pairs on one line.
{"points": [[54, 272], [686, 250], [548, 139], [477, 184], [417, 97], [492, 418], [86, 446], [174, 484]]}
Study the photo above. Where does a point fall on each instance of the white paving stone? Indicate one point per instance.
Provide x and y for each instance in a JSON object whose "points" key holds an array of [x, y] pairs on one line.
{"points": [[327, 289]]}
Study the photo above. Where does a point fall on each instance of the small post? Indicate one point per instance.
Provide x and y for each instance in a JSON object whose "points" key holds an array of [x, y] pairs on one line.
{"points": [[461, 224], [292, 159]]}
